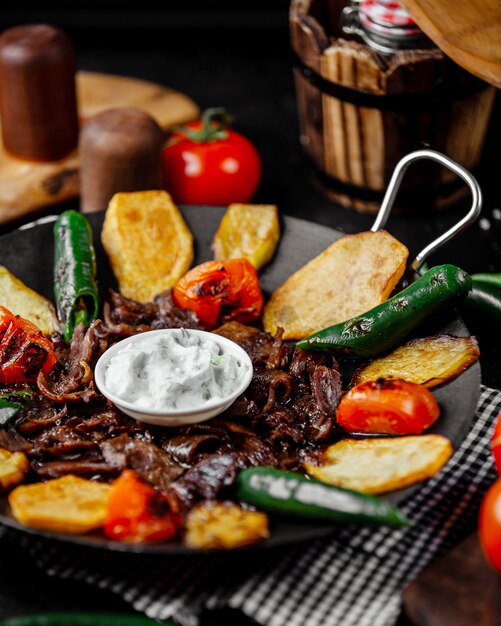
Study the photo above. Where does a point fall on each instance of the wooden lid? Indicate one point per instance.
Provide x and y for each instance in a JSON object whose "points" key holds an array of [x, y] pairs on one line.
{"points": [[37, 92], [468, 31]]}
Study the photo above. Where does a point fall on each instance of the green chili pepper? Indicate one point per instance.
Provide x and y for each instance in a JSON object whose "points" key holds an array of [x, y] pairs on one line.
{"points": [[11, 404], [80, 619], [384, 326], [8, 411], [485, 298], [490, 279], [290, 493], [17, 394], [75, 286]]}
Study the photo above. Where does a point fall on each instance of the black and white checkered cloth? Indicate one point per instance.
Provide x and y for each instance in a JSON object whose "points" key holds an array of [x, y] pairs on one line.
{"points": [[353, 579]]}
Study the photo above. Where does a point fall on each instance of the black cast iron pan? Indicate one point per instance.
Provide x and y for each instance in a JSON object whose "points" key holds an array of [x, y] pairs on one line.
{"points": [[28, 253]]}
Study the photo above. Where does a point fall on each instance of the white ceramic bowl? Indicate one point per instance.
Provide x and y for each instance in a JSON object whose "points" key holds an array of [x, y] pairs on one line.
{"points": [[175, 417]]}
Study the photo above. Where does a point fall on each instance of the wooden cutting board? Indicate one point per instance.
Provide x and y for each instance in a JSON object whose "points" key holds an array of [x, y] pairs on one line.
{"points": [[460, 589], [468, 31], [27, 186]]}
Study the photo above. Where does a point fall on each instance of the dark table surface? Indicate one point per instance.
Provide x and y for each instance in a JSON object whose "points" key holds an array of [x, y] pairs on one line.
{"points": [[237, 58]]}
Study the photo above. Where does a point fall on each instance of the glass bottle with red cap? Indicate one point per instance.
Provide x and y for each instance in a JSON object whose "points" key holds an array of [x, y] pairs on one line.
{"points": [[383, 25]]}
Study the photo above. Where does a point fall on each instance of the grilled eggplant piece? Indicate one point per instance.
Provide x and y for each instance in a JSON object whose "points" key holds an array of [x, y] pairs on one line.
{"points": [[67, 505], [226, 525], [353, 275], [428, 361], [23, 301], [380, 465], [249, 231], [148, 243]]}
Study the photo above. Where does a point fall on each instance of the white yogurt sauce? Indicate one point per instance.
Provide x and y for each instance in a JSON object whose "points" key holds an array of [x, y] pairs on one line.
{"points": [[177, 371]]}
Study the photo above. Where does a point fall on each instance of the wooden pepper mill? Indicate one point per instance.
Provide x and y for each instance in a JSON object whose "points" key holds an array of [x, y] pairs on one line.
{"points": [[38, 103], [120, 150]]}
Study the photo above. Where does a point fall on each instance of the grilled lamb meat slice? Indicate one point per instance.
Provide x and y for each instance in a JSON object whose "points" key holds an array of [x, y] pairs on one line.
{"points": [[257, 344], [124, 317], [208, 478], [153, 464]]}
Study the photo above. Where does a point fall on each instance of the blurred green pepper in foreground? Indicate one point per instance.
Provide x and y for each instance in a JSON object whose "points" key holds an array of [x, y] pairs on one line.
{"points": [[80, 619]]}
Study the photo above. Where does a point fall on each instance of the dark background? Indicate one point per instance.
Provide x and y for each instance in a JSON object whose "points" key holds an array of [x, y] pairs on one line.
{"points": [[234, 54]]}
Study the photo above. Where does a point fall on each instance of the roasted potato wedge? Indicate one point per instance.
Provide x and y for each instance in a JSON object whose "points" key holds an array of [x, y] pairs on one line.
{"points": [[23, 301], [380, 465], [224, 525], [147, 241], [351, 276], [66, 505], [429, 361], [13, 468], [250, 231]]}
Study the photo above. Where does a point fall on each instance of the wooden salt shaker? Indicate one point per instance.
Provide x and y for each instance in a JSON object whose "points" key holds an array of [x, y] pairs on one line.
{"points": [[38, 103], [120, 150]]}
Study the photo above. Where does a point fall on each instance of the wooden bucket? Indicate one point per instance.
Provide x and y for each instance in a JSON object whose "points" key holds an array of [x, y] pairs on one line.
{"points": [[360, 113]]}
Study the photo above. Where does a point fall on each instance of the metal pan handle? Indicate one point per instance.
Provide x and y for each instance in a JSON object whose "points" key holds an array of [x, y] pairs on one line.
{"points": [[394, 185]]}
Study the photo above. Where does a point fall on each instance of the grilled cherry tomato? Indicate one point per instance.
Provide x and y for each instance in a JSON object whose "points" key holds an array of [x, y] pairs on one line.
{"points": [[137, 513], [490, 525], [205, 162], [496, 444], [393, 407], [24, 350], [219, 291]]}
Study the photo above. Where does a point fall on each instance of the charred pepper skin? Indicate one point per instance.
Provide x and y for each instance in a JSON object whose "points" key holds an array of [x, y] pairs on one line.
{"points": [[75, 287], [289, 493], [387, 324]]}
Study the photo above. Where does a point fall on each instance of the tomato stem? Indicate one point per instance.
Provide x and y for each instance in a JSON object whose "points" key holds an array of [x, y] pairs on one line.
{"points": [[215, 122]]}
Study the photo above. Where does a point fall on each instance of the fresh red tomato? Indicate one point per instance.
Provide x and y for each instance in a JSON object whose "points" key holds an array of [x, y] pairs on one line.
{"points": [[24, 350], [137, 513], [208, 163], [393, 407], [219, 291], [490, 525], [496, 444]]}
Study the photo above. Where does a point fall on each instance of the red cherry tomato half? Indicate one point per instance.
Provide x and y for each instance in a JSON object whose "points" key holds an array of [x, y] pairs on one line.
{"points": [[208, 163], [496, 444], [393, 407], [137, 513], [490, 525], [219, 291], [24, 350]]}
